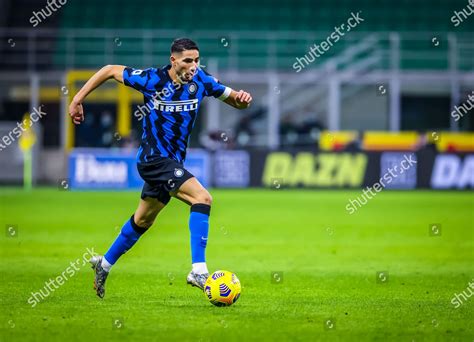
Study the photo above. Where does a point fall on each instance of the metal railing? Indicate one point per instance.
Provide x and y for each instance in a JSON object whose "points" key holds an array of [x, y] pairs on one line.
{"points": [[260, 58], [49, 49]]}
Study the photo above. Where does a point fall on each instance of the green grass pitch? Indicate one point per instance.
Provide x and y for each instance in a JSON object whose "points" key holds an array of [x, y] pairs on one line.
{"points": [[308, 268]]}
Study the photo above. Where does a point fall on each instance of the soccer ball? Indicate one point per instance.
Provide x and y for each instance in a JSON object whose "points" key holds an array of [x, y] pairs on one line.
{"points": [[222, 288]]}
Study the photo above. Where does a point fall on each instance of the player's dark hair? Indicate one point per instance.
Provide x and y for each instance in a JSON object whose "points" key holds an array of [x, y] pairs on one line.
{"points": [[182, 44]]}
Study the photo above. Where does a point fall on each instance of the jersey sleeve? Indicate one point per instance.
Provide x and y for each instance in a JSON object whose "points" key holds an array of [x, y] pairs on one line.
{"points": [[141, 80], [215, 88]]}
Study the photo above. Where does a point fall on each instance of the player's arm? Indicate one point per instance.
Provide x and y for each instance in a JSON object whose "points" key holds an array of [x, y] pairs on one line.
{"points": [[107, 72], [239, 99]]}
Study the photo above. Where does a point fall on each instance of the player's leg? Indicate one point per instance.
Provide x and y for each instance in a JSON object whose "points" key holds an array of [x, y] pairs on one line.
{"points": [[132, 230], [194, 194]]}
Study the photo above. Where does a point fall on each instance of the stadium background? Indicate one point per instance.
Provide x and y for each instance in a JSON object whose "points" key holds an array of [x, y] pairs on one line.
{"points": [[399, 84]]}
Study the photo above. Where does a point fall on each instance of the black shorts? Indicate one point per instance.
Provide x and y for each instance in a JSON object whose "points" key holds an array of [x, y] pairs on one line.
{"points": [[162, 177]]}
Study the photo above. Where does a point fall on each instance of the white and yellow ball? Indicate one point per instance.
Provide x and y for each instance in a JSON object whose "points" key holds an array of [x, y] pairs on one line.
{"points": [[222, 288]]}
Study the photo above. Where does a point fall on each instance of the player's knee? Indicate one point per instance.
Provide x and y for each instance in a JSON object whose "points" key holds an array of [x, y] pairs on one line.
{"points": [[204, 197], [207, 199]]}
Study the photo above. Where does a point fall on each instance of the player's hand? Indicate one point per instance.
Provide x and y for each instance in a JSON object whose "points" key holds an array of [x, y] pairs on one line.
{"points": [[76, 112], [243, 99]]}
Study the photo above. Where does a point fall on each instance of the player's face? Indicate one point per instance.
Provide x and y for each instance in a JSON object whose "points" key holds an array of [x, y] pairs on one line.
{"points": [[185, 64]]}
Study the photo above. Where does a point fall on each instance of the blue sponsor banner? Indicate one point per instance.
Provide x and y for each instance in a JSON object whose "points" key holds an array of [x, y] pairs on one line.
{"points": [[231, 169], [116, 169], [198, 162], [397, 170], [103, 169]]}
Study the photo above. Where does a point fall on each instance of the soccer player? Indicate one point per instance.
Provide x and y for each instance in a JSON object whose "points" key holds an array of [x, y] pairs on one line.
{"points": [[172, 96]]}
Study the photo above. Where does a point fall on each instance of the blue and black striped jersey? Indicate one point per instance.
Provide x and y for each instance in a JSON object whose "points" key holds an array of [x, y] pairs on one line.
{"points": [[171, 109]]}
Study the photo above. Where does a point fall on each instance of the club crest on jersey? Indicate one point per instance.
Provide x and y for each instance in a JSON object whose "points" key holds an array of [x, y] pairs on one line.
{"points": [[178, 172], [192, 88], [176, 106]]}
